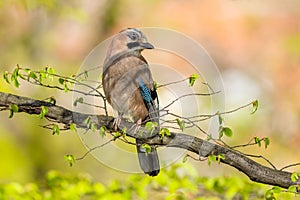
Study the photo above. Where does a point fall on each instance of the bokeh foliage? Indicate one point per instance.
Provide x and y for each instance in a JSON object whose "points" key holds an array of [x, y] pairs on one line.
{"points": [[178, 182]]}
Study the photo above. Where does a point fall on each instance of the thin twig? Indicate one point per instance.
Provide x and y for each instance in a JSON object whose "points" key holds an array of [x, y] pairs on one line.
{"points": [[288, 166]]}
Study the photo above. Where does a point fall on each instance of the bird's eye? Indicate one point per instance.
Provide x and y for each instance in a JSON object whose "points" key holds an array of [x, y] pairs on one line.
{"points": [[133, 36]]}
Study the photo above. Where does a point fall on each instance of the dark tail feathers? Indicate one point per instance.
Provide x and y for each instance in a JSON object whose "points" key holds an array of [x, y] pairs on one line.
{"points": [[148, 161]]}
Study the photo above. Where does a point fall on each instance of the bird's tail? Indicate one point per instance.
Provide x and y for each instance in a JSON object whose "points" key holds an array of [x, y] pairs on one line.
{"points": [[148, 160]]}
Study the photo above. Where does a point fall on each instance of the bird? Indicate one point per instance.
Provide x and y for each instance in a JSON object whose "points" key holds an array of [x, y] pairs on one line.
{"points": [[129, 88]]}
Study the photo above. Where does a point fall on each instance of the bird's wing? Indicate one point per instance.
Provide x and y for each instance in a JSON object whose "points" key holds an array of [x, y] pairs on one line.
{"points": [[149, 96]]}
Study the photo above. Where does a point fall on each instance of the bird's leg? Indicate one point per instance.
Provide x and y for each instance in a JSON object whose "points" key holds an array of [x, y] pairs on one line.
{"points": [[137, 125], [117, 121]]}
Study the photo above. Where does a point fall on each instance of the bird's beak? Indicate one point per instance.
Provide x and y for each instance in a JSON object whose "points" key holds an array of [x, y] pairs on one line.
{"points": [[146, 45], [140, 45]]}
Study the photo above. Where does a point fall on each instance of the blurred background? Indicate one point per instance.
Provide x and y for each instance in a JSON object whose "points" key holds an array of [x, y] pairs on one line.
{"points": [[255, 44]]}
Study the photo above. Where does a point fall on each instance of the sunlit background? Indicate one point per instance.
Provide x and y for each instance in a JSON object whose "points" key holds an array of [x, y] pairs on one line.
{"points": [[255, 44]]}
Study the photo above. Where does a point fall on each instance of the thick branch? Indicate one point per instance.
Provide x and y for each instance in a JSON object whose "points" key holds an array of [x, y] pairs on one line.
{"points": [[252, 169]]}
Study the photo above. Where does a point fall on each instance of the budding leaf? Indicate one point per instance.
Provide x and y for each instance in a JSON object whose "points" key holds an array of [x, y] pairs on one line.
{"points": [[61, 81], [44, 111], [255, 106], [180, 124], [294, 177], [52, 100], [78, 100], [267, 142], [15, 74], [220, 119], [192, 79], [117, 135], [55, 129], [155, 85], [73, 127], [5, 76], [13, 109], [31, 75], [164, 131], [185, 158], [102, 131], [293, 189], [147, 147], [225, 131], [93, 127], [276, 189], [150, 126], [257, 141], [86, 74], [220, 157], [70, 159], [87, 121]]}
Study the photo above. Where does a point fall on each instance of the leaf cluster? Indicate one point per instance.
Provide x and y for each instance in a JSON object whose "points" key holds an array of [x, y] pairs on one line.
{"points": [[178, 182]]}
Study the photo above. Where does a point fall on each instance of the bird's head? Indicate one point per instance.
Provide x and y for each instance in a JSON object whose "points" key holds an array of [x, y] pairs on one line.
{"points": [[136, 39], [128, 40]]}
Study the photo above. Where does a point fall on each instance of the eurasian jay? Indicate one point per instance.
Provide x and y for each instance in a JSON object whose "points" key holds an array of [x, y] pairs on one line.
{"points": [[129, 89]]}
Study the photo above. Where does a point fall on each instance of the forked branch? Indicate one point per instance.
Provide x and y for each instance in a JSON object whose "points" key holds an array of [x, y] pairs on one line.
{"points": [[255, 171]]}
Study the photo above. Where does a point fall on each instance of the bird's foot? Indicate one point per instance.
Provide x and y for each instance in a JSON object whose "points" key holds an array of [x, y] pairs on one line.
{"points": [[117, 122], [136, 126]]}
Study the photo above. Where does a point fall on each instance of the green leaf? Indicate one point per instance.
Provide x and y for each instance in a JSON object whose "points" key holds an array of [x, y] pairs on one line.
{"points": [[155, 85], [49, 70], [220, 157], [220, 119], [66, 87], [55, 129], [87, 121], [225, 131], [257, 141], [61, 81], [70, 159], [180, 124], [86, 74], [44, 111], [124, 131], [147, 147], [13, 109], [293, 189], [294, 177], [102, 131], [192, 79], [22, 76], [267, 142], [211, 158], [73, 127], [93, 127], [31, 75], [185, 158], [269, 195], [255, 106], [117, 135], [5, 76], [276, 189], [27, 70], [163, 132], [150, 126], [221, 133], [15, 74], [16, 83], [78, 100], [52, 100]]}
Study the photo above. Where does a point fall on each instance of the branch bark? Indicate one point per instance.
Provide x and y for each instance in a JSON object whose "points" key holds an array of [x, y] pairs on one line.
{"points": [[255, 171]]}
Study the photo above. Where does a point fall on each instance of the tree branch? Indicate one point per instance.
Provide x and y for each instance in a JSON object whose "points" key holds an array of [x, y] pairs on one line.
{"points": [[255, 171]]}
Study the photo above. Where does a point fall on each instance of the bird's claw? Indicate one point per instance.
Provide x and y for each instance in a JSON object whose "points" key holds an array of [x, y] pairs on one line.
{"points": [[117, 122]]}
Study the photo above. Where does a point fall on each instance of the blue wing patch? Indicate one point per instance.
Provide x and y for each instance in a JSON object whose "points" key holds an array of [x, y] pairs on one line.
{"points": [[145, 91]]}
